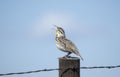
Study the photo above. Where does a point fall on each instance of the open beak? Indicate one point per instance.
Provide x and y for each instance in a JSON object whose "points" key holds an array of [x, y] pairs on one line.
{"points": [[54, 27]]}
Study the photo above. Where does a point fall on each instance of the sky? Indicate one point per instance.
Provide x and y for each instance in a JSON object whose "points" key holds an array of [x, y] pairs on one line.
{"points": [[27, 35]]}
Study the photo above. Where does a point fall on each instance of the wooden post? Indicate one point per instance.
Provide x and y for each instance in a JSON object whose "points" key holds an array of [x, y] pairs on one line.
{"points": [[69, 67]]}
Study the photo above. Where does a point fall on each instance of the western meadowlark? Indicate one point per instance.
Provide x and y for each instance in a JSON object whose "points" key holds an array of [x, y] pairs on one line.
{"points": [[64, 44]]}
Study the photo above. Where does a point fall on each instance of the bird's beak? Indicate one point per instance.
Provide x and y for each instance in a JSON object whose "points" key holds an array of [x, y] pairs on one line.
{"points": [[55, 27]]}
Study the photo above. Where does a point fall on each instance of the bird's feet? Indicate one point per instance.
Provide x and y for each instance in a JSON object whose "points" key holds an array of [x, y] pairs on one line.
{"points": [[66, 56]]}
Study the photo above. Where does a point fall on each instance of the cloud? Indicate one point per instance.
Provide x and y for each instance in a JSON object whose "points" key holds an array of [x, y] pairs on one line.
{"points": [[44, 24]]}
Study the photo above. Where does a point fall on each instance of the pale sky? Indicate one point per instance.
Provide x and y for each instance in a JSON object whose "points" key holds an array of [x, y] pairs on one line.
{"points": [[27, 35]]}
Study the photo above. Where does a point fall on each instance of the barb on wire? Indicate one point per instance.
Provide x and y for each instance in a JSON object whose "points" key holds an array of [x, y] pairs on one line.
{"points": [[98, 67], [45, 70]]}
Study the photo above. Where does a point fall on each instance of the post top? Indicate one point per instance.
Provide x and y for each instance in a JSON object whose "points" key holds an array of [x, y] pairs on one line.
{"points": [[70, 58]]}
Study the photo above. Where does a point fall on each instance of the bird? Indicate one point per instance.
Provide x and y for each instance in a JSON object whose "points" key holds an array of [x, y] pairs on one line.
{"points": [[64, 44]]}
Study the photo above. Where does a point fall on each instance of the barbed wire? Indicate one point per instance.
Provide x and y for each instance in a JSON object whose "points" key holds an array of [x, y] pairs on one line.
{"points": [[45, 70], [98, 67]]}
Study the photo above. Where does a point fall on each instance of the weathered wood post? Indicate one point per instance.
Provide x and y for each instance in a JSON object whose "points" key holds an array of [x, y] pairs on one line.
{"points": [[69, 67]]}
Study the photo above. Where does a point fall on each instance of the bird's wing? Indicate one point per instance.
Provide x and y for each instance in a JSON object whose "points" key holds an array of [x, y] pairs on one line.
{"points": [[71, 46]]}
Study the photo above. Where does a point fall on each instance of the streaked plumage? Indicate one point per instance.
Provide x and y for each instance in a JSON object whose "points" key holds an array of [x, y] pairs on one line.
{"points": [[64, 44]]}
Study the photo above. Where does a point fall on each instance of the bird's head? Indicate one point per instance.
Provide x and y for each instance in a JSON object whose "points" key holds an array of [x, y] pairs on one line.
{"points": [[59, 32]]}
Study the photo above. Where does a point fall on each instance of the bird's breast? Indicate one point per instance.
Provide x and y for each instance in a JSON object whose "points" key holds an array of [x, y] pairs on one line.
{"points": [[59, 46]]}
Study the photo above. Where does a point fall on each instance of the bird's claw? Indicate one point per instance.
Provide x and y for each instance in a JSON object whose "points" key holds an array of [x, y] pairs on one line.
{"points": [[66, 56]]}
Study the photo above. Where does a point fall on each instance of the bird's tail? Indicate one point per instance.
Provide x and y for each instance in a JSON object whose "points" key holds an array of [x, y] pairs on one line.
{"points": [[80, 56], [77, 53]]}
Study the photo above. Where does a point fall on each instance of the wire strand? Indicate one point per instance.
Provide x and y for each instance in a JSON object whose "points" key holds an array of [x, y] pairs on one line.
{"points": [[46, 70]]}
